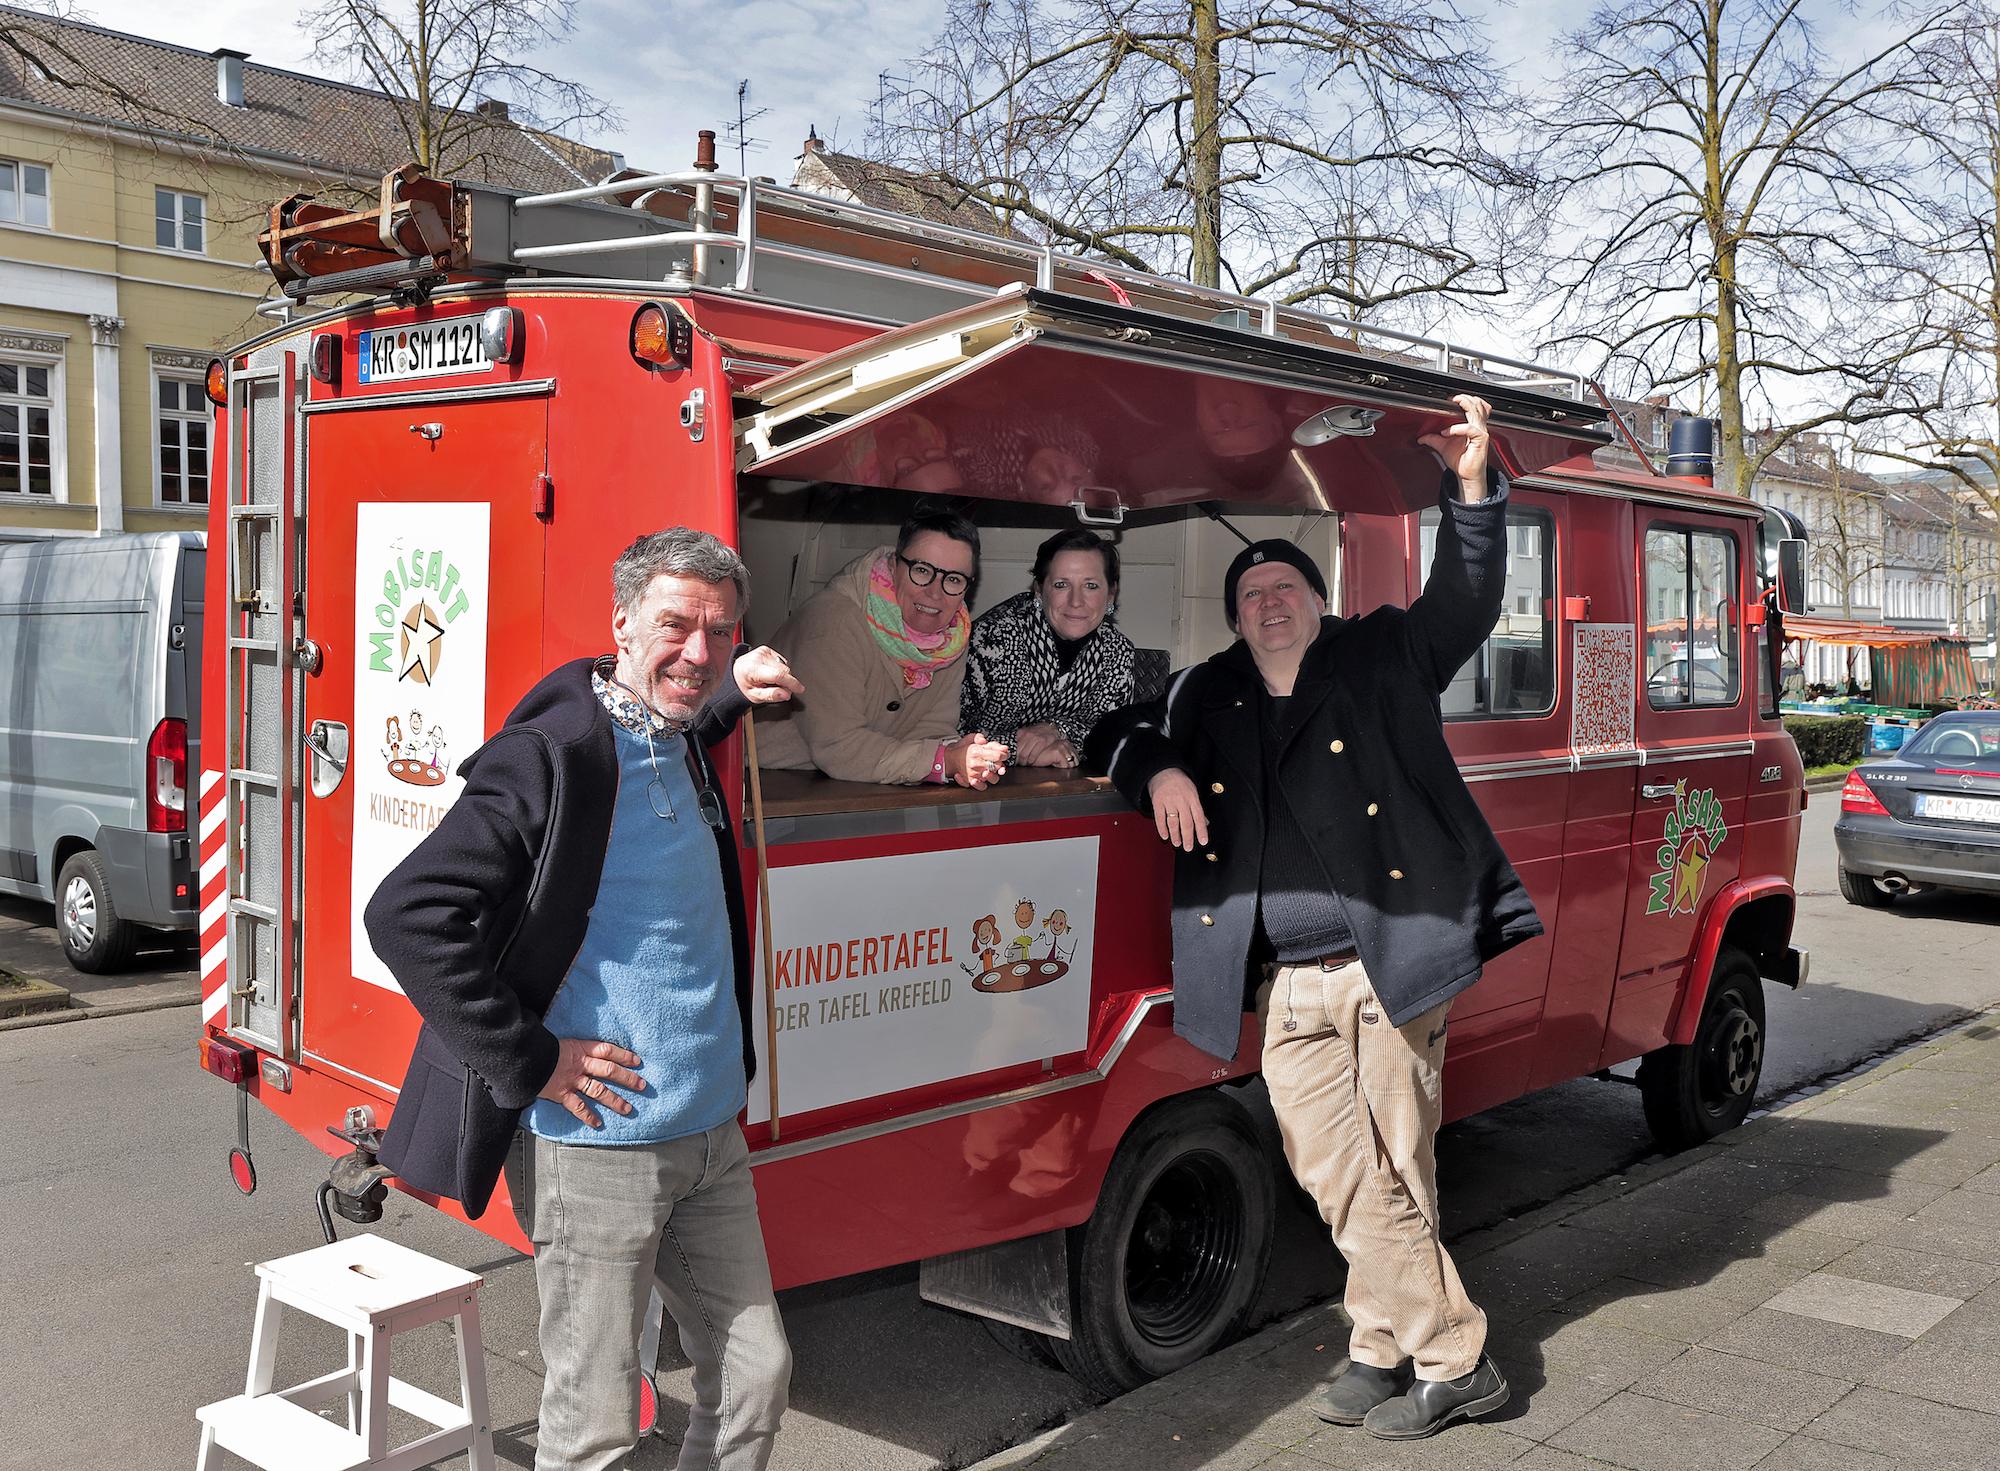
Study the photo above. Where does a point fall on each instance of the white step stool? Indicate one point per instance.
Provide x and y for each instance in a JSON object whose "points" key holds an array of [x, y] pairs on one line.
{"points": [[374, 1289]]}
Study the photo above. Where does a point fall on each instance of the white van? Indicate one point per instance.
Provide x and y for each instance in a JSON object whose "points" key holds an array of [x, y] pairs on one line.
{"points": [[100, 673]]}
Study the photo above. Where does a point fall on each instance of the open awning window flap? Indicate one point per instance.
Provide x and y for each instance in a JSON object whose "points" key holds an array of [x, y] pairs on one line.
{"points": [[1051, 399], [1850, 633]]}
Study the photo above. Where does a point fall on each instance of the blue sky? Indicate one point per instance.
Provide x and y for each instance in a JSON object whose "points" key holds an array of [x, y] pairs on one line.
{"points": [[671, 67]]}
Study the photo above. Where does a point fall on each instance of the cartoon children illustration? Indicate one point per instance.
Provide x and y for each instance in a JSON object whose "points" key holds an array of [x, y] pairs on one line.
{"points": [[985, 945], [438, 749], [1024, 921], [1058, 925], [392, 737]]}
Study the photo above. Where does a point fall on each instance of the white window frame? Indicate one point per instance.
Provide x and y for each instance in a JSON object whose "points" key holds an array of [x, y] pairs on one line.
{"points": [[180, 198], [189, 378], [58, 425], [20, 166]]}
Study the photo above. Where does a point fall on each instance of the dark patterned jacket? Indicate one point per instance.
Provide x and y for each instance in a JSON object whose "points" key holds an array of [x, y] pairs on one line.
{"points": [[1012, 679]]}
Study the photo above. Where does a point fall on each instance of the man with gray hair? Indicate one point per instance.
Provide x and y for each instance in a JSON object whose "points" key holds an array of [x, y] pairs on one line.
{"points": [[573, 934]]}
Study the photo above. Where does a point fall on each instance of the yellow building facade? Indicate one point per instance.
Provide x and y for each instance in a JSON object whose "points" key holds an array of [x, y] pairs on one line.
{"points": [[135, 176], [105, 333]]}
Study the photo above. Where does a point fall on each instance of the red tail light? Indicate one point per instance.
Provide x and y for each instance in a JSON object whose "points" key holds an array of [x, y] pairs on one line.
{"points": [[230, 1061], [167, 778], [1856, 797]]}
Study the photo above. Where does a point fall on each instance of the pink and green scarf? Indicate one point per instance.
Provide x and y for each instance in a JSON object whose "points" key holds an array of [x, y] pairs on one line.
{"points": [[920, 655]]}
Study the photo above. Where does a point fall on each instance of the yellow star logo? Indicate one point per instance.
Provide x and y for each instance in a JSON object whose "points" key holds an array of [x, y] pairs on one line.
{"points": [[1689, 868], [420, 640]]}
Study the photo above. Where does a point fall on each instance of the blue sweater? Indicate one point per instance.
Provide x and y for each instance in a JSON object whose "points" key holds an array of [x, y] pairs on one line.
{"points": [[656, 971]]}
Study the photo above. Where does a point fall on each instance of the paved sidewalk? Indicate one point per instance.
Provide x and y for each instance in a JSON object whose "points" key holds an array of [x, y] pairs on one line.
{"points": [[162, 974], [1813, 1292]]}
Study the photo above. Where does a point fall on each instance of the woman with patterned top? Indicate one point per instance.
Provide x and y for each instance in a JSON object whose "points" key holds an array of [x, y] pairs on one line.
{"points": [[1046, 663]]}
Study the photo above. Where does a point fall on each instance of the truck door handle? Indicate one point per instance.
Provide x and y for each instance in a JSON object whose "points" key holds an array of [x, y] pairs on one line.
{"points": [[327, 743], [1656, 789]]}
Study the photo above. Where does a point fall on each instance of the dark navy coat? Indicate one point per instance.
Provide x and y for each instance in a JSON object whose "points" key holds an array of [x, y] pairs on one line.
{"points": [[479, 925], [1426, 891]]}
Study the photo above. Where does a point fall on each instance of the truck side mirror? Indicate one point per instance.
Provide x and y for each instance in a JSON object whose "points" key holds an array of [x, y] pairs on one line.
{"points": [[1792, 575]]}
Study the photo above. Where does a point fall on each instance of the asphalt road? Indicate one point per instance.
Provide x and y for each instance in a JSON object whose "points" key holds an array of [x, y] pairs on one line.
{"points": [[125, 1254]]}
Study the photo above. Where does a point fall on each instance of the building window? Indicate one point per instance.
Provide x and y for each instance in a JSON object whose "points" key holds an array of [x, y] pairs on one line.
{"points": [[177, 221], [180, 441], [30, 426], [24, 193]]}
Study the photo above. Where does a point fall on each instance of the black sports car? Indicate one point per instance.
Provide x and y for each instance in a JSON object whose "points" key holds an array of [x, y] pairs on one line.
{"points": [[1927, 817]]}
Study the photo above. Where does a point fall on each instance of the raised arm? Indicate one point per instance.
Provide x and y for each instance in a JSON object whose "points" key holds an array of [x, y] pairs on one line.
{"points": [[1461, 600]]}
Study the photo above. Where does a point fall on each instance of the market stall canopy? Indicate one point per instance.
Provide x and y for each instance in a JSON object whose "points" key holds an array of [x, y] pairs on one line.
{"points": [[1061, 400], [1848, 632]]}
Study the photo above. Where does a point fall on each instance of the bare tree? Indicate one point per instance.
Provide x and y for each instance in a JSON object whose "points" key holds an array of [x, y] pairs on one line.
{"points": [[1339, 150], [440, 60], [1749, 190], [1955, 121]]}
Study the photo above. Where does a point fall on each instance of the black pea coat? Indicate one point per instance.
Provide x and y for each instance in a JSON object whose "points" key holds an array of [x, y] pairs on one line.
{"points": [[1421, 879], [479, 925]]}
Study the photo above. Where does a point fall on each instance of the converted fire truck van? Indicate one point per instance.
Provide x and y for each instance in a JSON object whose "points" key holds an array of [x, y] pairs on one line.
{"points": [[965, 1008]]}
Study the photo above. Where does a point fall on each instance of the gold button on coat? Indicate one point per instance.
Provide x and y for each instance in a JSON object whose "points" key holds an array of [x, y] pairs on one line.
{"points": [[1395, 873], [1337, 747], [1373, 809], [1211, 858], [1215, 787], [1208, 919]]}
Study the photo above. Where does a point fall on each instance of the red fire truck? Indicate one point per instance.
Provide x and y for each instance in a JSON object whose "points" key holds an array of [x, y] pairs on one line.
{"points": [[967, 1055]]}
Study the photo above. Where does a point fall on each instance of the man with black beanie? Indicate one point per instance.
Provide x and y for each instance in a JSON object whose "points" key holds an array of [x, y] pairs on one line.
{"points": [[1335, 876]]}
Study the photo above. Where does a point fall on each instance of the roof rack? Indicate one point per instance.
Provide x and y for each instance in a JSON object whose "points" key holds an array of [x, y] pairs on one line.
{"points": [[704, 228]]}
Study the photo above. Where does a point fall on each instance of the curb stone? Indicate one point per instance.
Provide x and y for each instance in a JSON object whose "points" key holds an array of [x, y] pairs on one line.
{"points": [[25, 997], [83, 1011]]}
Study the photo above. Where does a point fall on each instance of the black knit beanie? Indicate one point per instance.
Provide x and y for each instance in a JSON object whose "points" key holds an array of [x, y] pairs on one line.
{"points": [[1256, 554]]}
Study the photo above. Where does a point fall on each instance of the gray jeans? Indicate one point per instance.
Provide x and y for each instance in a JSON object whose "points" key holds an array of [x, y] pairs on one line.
{"points": [[607, 1221]]}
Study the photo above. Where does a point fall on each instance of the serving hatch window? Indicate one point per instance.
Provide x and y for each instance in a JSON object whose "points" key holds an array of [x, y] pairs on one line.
{"points": [[1693, 651], [1514, 670]]}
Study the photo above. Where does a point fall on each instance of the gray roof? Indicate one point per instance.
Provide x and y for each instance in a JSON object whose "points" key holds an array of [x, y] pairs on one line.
{"points": [[326, 127], [886, 186]]}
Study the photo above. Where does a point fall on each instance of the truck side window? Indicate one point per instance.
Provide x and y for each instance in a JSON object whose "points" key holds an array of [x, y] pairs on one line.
{"points": [[1693, 645], [1514, 671]]}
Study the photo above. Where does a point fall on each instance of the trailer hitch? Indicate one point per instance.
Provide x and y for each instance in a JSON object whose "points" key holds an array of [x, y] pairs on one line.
{"points": [[354, 1188]]}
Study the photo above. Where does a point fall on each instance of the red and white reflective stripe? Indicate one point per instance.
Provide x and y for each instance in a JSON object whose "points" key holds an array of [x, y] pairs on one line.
{"points": [[214, 928]]}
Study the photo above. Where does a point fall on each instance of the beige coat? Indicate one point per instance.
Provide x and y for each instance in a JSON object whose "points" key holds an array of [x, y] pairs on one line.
{"points": [[857, 721]]}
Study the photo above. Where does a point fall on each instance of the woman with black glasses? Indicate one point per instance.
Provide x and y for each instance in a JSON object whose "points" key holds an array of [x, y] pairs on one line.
{"points": [[882, 651]]}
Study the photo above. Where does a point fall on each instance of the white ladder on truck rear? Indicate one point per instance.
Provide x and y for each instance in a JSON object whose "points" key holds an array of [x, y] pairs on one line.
{"points": [[260, 800]]}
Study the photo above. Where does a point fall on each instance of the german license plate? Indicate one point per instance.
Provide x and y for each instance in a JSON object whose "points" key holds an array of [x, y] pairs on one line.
{"points": [[1958, 809], [428, 350]]}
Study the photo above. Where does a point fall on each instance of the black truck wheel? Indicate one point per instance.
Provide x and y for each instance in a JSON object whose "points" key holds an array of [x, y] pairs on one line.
{"points": [[1169, 1265], [1695, 1092], [94, 938]]}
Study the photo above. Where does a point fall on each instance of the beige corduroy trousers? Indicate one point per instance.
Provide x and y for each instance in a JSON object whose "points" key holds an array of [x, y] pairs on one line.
{"points": [[1358, 1103]]}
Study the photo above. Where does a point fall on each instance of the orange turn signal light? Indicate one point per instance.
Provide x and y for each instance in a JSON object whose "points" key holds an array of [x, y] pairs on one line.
{"points": [[661, 337], [216, 384]]}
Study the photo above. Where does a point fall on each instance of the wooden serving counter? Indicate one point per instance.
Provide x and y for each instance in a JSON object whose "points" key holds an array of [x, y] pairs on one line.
{"points": [[807, 793]]}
